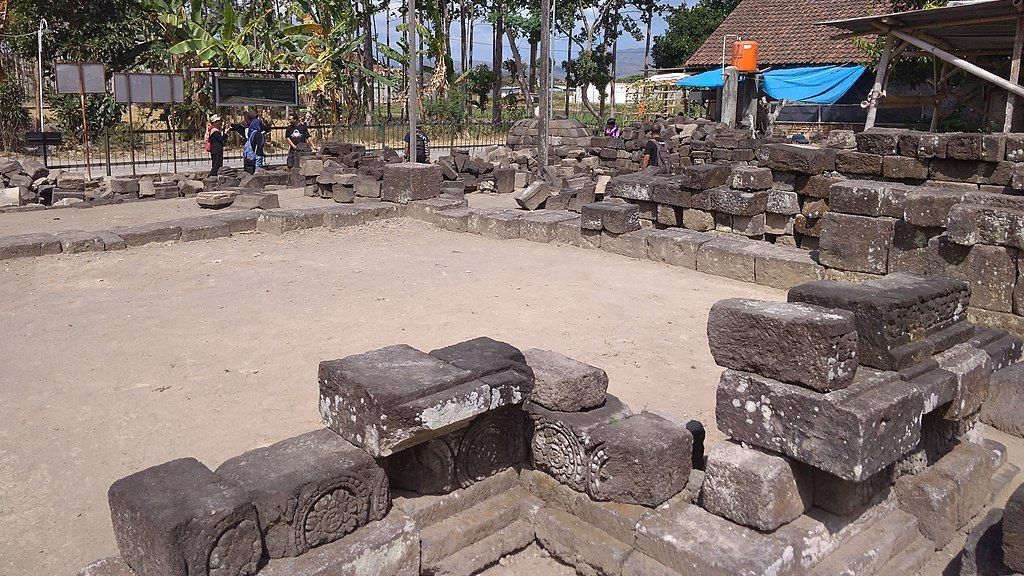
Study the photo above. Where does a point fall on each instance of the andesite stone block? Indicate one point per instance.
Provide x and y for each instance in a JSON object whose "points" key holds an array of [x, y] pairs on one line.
{"points": [[904, 168], [858, 163], [703, 176], [783, 202], [396, 397], [856, 243], [795, 343], [783, 267], [755, 488], [675, 246], [868, 198], [202, 228], [799, 159], [635, 186], [750, 178], [730, 257], [181, 519], [496, 223], [407, 181], [1006, 396], [564, 384], [533, 196], [23, 245], [882, 141], [140, 234], [310, 490], [541, 226], [738, 202], [615, 218], [891, 312], [1013, 531], [793, 420]]}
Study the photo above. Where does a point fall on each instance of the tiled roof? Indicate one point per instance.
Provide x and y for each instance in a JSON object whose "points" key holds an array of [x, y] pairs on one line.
{"points": [[786, 34]]}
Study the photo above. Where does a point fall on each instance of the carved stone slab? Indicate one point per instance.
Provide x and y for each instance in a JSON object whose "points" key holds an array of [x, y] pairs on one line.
{"points": [[390, 399], [181, 519], [310, 490]]}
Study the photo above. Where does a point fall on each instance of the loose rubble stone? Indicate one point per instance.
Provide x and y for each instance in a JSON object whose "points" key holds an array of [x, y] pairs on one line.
{"points": [[533, 196], [396, 397], [792, 420], [180, 519], [564, 384], [310, 490], [796, 343], [408, 181], [642, 459], [754, 488]]}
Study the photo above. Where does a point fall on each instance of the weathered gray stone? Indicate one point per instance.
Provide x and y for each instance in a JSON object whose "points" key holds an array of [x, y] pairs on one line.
{"points": [[754, 488], [983, 551], [642, 459], [615, 218], [972, 369], [675, 247], [581, 545], [856, 243], [793, 420], [858, 163], [496, 223], [215, 199], [390, 547], [797, 158], [738, 202], [533, 196], [564, 384], [799, 344], [493, 442], [1013, 531], [279, 221], [396, 397], [712, 546], [750, 178], [971, 224], [1006, 396], [202, 228], [631, 245], [843, 497], [930, 207], [181, 519], [703, 176], [698, 220], [140, 234], [540, 226], [732, 258], [882, 141], [310, 490], [904, 168], [868, 198], [256, 200], [408, 181], [923, 145], [892, 312], [635, 186], [783, 267], [782, 202], [562, 446]]}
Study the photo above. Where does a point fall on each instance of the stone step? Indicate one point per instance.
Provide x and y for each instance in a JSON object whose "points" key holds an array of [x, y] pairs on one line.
{"points": [[484, 553], [461, 531], [867, 553], [911, 560]]}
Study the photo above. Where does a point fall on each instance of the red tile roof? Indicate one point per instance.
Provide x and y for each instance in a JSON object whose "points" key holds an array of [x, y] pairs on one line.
{"points": [[786, 34]]}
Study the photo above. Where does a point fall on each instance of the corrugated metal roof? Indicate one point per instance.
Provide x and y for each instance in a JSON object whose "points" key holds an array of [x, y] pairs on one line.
{"points": [[981, 27], [787, 32]]}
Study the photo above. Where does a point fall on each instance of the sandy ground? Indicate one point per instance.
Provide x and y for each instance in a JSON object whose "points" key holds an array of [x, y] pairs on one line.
{"points": [[118, 361]]}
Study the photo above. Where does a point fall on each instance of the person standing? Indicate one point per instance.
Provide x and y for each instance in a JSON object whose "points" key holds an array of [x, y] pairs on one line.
{"points": [[298, 138], [252, 152], [422, 147], [215, 141], [655, 151], [611, 129]]}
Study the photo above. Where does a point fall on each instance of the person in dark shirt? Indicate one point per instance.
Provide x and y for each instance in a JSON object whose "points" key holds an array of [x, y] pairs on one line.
{"points": [[297, 136], [216, 139], [422, 147], [652, 151]]}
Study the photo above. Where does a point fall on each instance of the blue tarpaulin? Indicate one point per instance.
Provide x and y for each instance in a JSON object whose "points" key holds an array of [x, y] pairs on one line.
{"points": [[710, 79], [815, 85]]}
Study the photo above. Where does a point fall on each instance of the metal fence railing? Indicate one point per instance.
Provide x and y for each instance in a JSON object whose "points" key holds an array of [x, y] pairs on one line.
{"points": [[118, 151], [154, 151]]}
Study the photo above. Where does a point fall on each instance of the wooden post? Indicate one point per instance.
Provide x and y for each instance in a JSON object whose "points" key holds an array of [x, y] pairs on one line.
{"points": [[413, 88], [545, 87], [131, 120], [876, 90], [1011, 99], [730, 95], [85, 121]]}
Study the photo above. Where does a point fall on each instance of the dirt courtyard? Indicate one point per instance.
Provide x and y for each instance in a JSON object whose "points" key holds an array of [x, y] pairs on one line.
{"points": [[117, 361]]}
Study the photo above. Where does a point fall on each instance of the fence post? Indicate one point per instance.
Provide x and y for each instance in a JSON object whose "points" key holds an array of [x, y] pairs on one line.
{"points": [[106, 145]]}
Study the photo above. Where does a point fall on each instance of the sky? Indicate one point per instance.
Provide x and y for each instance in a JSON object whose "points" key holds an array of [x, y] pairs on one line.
{"points": [[630, 51]]}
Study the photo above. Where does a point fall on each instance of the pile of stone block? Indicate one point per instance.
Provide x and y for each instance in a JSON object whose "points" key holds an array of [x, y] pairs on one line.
{"points": [[496, 170], [21, 181], [852, 398], [343, 172]]}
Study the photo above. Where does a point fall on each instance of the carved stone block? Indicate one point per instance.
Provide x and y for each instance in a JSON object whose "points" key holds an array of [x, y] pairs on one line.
{"points": [[310, 490], [181, 519]]}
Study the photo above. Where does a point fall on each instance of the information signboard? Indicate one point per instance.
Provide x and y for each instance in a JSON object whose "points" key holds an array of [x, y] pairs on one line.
{"points": [[243, 92], [81, 78], [139, 88]]}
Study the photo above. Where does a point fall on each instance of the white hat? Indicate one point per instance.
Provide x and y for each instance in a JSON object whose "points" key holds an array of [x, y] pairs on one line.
{"points": [[215, 118]]}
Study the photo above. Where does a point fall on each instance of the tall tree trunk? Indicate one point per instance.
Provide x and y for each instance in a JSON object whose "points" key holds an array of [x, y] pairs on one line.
{"points": [[585, 99], [367, 81], [464, 60], [568, 85], [533, 64], [647, 43], [615, 61], [527, 98], [496, 58]]}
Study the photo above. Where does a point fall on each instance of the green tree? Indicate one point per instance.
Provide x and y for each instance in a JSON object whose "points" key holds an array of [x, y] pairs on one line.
{"points": [[688, 28], [14, 118]]}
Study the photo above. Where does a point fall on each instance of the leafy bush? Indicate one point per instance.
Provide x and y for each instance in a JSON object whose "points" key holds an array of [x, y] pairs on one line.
{"points": [[101, 110], [450, 109], [14, 118]]}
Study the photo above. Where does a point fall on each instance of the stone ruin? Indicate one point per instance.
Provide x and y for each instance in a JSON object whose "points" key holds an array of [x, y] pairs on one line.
{"points": [[851, 412]]}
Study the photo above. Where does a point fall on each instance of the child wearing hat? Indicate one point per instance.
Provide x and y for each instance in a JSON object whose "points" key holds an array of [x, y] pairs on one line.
{"points": [[215, 141]]}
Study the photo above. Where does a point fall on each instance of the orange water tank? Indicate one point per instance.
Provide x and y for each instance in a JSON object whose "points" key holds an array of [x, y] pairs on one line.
{"points": [[744, 55]]}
